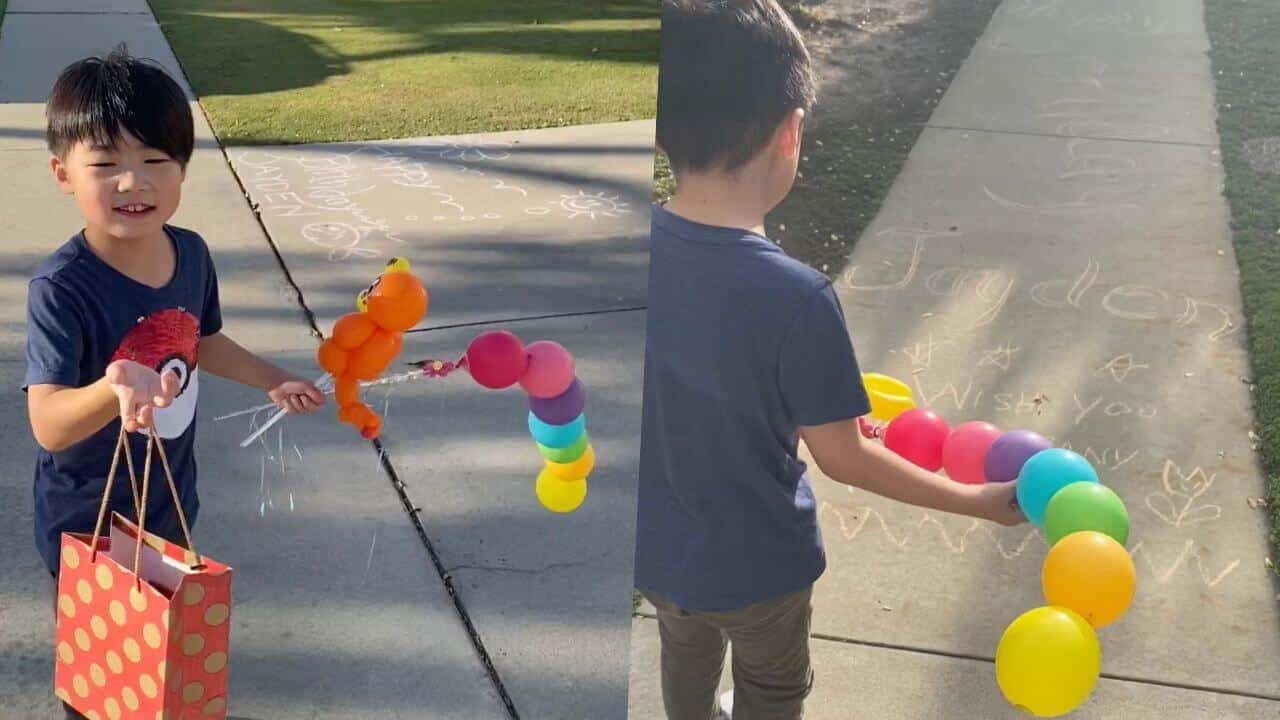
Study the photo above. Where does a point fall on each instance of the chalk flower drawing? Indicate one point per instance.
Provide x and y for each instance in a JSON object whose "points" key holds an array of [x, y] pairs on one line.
{"points": [[591, 205], [1177, 504]]}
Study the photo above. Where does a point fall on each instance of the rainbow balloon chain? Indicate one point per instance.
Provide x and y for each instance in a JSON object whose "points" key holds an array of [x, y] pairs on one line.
{"points": [[1048, 660], [557, 407]]}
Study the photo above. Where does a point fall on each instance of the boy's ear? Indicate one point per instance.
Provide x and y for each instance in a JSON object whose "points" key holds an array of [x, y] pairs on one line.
{"points": [[787, 140], [60, 176]]}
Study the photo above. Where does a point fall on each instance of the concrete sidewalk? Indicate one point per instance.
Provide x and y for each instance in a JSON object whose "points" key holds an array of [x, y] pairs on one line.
{"points": [[544, 233], [339, 611], [1055, 256]]}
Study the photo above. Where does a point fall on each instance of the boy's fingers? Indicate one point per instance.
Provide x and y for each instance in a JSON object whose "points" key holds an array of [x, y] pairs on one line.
{"points": [[169, 385], [315, 396]]}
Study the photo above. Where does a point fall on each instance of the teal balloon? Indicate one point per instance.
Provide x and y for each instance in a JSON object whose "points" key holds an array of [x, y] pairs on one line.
{"points": [[1086, 506], [557, 436], [1047, 472]]}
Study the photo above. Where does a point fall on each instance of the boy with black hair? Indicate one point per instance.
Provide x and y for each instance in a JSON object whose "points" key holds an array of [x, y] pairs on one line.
{"points": [[122, 318], [746, 352]]}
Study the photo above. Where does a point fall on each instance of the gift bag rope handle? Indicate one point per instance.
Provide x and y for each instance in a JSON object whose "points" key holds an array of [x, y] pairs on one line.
{"points": [[140, 501]]}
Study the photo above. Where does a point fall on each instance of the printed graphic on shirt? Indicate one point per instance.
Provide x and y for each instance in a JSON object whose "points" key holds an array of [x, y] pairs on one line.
{"points": [[164, 341]]}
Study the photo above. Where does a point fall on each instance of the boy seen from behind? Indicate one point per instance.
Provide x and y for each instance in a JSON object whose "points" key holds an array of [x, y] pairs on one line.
{"points": [[746, 352]]}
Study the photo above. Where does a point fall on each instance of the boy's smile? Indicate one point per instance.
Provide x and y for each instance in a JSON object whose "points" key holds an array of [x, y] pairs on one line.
{"points": [[135, 210]]}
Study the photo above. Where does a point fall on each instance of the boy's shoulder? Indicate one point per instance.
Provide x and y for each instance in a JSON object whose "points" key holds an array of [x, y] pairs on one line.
{"points": [[764, 266], [795, 274], [188, 236], [57, 264]]}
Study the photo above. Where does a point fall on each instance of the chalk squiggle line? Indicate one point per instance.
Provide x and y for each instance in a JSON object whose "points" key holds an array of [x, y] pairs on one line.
{"points": [[956, 545], [959, 544], [1189, 550]]}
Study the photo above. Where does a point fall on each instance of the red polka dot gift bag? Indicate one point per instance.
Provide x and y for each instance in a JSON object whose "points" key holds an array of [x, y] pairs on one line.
{"points": [[143, 623]]}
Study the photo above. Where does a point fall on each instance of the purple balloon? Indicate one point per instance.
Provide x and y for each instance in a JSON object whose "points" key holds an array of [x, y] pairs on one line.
{"points": [[561, 409], [1010, 452]]}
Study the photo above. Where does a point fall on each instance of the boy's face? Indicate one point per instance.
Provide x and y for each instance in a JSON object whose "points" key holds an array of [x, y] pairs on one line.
{"points": [[128, 191]]}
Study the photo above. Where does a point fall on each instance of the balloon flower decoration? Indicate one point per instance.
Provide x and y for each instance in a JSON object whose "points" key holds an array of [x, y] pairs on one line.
{"points": [[364, 343], [1048, 660]]}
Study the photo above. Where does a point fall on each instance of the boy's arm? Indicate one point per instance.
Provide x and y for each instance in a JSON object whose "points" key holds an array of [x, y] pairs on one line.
{"points": [[224, 357], [845, 456], [63, 416]]}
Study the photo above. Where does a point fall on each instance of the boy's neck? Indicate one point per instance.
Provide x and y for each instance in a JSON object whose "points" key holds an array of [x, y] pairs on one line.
{"points": [[720, 200], [149, 260]]}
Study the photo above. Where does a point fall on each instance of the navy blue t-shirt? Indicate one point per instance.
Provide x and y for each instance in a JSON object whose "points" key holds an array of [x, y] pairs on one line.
{"points": [[743, 346], [82, 315]]}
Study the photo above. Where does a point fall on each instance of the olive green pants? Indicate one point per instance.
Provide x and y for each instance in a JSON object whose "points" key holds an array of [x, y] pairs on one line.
{"points": [[770, 658]]}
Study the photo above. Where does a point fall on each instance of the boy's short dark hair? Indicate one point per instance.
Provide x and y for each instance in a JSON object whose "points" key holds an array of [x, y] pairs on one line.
{"points": [[95, 98], [729, 72]]}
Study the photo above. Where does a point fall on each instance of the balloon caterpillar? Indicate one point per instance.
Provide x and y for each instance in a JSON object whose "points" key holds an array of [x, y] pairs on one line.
{"points": [[364, 343], [557, 407], [1048, 660]]}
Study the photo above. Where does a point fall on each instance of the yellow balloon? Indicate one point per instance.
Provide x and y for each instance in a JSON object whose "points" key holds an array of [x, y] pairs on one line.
{"points": [[579, 468], [889, 397], [1048, 661], [1092, 574], [560, 496]]}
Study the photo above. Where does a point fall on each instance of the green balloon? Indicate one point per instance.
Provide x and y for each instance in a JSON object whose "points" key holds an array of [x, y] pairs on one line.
{"points": [[565, 455], [1086, 506]]}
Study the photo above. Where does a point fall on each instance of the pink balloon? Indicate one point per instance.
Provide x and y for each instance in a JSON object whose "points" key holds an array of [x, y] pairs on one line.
{"points": [[964, 454], [918, 435], [496, 359], [550, 370]]}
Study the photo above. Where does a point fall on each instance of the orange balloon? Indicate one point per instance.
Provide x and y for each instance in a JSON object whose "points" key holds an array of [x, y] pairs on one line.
{"points": [[372, 427], [352, 330], [1092, 574], [397, 302], [370, 359], [346, 391], [332, 358], [349, 414]]}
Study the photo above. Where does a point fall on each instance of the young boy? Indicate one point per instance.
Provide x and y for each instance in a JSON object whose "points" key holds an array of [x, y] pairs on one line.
{"points": [[746, 351], [122, 318]]}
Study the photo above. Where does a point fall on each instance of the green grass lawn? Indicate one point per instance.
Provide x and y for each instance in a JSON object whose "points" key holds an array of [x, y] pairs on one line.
{"points": [[291, 71], [1246, 67]]}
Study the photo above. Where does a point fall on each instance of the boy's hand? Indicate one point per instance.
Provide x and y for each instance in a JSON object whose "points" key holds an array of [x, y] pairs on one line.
{"points": [[998, 502], [296, 395], [140, 390]]}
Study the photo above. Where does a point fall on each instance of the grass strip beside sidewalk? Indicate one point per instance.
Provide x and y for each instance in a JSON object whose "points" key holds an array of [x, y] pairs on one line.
{"points": [[1246, 68], [299, 71]]}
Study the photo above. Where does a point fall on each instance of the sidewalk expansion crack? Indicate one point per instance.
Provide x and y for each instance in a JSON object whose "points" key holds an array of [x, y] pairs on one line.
{"points": [[531, 318], [529, 571]]}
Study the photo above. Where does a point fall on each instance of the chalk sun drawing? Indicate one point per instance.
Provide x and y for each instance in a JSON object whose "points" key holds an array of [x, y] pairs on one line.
{"points": [[591, 205]]}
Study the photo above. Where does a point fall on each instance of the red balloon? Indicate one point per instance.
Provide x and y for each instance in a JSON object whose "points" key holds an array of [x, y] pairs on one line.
{"points": [[918, 435], [964, 454], [497, 359]]}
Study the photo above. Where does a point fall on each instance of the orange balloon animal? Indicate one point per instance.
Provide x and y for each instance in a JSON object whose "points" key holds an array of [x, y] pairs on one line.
{"points": [[364, 343]]}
